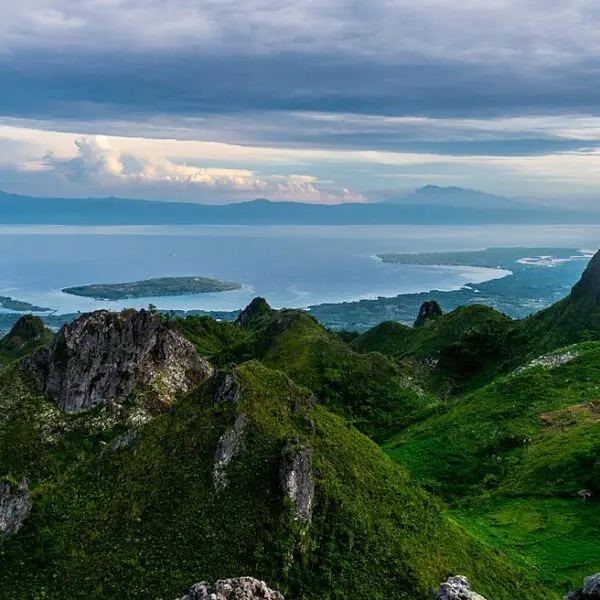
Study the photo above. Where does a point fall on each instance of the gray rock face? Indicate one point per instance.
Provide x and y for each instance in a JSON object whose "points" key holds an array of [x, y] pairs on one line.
{"points": [[15, 506], [296, 479], [244, 588], [124, 441], [590, 590], [228, 447], [103, 357], [225, 388], [457, 588]]}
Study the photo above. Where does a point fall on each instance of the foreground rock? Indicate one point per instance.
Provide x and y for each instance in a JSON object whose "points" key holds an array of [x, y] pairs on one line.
{"points": [[15, 506], [244, 588], [104, 357], [457, 588], [590, 590]]}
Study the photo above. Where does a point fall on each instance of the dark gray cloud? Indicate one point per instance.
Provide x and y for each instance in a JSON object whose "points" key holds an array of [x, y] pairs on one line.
{"points": [[83, 58]]}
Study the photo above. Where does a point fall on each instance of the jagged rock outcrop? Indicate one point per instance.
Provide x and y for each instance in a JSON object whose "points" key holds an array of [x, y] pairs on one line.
{"points": [[590, 590], [103, 357], [230, 443], [429, 311], [244, 588], [15, 506], [296, 479], [124, 441], [253, 313], [588, 287], [224, 388], [457, 588]]}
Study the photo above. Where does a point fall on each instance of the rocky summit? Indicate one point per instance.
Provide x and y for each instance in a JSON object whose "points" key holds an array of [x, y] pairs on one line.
{"points": [[430, 311], [244, 588], [104, 357]]}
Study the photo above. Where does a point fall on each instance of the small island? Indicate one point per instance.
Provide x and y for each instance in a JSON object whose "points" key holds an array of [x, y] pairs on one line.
{"points": [[153, 288], [8, 303]]}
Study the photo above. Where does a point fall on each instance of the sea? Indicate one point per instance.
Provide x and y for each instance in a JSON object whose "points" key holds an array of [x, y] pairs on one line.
{"points": [[291, 266]]}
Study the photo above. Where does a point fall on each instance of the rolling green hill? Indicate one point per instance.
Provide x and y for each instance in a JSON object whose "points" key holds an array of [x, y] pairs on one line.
{"points": [[332, 466]]}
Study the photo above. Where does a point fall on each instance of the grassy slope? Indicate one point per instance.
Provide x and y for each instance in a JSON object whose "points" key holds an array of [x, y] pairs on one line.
{"points": [[377, 393], [519, 450], [147, 522], [469, 345]]}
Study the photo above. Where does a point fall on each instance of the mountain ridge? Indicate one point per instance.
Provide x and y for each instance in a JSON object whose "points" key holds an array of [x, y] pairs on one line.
{"points": [[21, 210]]}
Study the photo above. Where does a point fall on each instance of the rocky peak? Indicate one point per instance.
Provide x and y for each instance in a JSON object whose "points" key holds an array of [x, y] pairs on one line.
{"points": [[103, 357], [254, 312], [429, 311], [244, 588], [28, 332], [588, 287]]}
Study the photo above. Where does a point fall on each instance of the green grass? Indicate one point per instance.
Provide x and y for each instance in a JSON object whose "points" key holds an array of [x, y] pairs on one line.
{"points": [[557, 540], [146, 522]]}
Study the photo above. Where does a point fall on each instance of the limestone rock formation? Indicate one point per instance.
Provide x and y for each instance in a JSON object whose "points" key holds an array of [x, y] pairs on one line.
{"points": [[103, 357], [590, 590], [429, 311], [15, 506], [296, 479], [228, 447], [457, 588], [244, 588]]}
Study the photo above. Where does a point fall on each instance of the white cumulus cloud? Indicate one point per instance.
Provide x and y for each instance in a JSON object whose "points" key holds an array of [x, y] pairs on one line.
{"points": [[97, 161]]}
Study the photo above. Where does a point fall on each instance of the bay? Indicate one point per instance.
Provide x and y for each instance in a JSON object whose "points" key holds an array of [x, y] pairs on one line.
{"points": [[291, 266]]}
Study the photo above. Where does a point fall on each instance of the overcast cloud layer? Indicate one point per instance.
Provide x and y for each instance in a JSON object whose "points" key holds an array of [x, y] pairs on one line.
{"points": [[366, 98]]}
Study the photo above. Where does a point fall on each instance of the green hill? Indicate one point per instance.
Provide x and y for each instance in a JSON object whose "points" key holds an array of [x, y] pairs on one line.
{"points": [[149, 519]]}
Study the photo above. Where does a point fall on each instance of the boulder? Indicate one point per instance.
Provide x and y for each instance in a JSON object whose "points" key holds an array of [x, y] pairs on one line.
{"points": [[457, 588], [244, 588], [15, 506], [103, 357]]}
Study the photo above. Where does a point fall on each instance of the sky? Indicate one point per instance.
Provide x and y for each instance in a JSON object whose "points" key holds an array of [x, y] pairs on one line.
{"points": [[326, 101]]}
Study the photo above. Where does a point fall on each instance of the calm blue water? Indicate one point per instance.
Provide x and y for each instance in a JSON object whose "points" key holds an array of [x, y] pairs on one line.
{"points": [[290, 266]]}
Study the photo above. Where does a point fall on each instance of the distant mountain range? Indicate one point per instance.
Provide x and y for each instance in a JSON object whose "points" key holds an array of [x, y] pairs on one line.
{"points": [[427, 206], [461, 198]]}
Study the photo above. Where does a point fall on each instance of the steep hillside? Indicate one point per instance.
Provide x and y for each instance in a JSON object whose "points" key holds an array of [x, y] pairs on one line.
{"points": [[246, 476], [456, 351], [575, 319], [377, 393]]}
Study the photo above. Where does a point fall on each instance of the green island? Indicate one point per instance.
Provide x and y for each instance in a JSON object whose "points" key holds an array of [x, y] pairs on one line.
{"points": [[152, 288], [8, 303]]}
